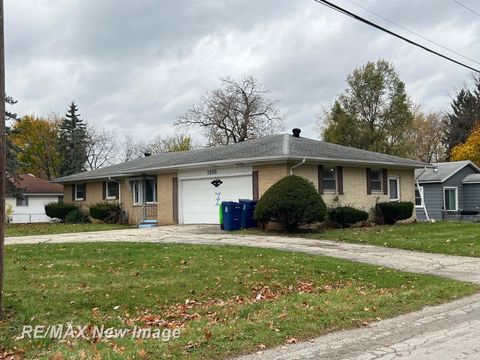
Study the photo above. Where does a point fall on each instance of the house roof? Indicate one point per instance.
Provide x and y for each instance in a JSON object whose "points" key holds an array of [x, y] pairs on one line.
{"points": [[472, 179], [30, 184], [442, 171], [270, 148]]}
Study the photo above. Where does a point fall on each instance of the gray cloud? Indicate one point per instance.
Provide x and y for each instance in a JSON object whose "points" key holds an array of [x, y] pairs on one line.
{"points": [[136, 65]]}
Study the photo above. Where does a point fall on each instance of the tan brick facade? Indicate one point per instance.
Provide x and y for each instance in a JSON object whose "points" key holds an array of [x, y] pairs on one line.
{"points": [[269, 175], [165, 198], [354, 188]]}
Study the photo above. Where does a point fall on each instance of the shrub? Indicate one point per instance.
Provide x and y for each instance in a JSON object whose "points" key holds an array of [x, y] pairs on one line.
{"points": [[76, 217], [346, 216], [106, 212], [56, 210], [292, 201], [394, 211]]}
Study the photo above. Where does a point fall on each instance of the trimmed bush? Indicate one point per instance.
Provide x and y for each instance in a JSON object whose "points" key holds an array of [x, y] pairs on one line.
{"points": [[76, 217], [56, 210], [106, 212], [394, 211], [346, 216], [292, 201]]}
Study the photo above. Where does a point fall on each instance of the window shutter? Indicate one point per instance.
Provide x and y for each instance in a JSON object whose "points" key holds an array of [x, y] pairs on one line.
{"points": [[117, 196], [320, 179], [84, 192], [73, 192], [340, 180], [369, 184], [255, 185], [104, 190], [175, 199], [385, 182]]}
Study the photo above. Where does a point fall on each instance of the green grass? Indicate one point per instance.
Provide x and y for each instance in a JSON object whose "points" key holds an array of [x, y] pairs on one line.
{"points": [[116, 284], [57, 228], [444, 237]]}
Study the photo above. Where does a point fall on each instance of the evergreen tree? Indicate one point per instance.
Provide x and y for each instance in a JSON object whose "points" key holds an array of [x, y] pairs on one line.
{"points": [[465, 114], [72, 142]]}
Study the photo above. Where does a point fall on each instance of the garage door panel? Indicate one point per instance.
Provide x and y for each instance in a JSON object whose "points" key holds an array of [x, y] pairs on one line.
{"points": [[201, 200]]}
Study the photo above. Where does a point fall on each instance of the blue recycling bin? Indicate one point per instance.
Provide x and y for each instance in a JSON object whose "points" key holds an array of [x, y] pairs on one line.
{"points": [[232, 215], [247, 213]]}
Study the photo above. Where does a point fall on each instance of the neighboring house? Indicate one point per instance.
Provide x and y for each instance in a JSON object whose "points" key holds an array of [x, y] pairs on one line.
{"points": [[33, 193], [187, 187], [447, 188]]}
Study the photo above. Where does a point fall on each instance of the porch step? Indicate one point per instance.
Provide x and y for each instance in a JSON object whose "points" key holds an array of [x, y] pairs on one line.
{"points": [[148, 223]]}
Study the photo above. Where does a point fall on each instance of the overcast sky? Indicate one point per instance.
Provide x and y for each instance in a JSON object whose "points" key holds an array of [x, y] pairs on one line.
{"points": [[135, 65]]}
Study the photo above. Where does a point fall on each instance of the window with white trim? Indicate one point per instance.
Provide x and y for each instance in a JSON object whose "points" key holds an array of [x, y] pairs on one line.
{"points": [[419, 197], [329, 177], [450, 198], [376, 180], [79, 191], [112, 190], [22, 200], [394, 188]]}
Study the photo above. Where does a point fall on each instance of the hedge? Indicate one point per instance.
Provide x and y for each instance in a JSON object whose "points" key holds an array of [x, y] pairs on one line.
{"points": [[56, 210], [346, 216], [393, 211]]}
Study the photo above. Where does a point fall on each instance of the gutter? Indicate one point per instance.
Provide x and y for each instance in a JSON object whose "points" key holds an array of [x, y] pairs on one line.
{"points": [[295, 166]]}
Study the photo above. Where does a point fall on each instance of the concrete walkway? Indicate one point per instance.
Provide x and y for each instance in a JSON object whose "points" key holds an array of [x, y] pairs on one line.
{"points": [[445, 332]]}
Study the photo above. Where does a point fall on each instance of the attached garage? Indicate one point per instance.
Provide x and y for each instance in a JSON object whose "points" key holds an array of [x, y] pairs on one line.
{"points": [[202, 191]]}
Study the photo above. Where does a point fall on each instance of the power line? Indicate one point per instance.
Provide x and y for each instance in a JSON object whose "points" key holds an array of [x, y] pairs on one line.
{"points": [[466, 7], [413, 32], [365, 21]]}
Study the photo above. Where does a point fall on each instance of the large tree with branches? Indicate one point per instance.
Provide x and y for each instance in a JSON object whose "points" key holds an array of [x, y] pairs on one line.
{"points": [[237, 111]]}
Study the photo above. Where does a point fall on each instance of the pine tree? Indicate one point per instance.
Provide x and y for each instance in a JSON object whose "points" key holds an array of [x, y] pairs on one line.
{"points": [[72, 142], [465, 114]]}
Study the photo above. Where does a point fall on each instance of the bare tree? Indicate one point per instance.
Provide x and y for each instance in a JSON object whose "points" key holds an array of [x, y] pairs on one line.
{"points": [[102, 149], [425, 137], [132, 148], [162, 144], [237, 111]]}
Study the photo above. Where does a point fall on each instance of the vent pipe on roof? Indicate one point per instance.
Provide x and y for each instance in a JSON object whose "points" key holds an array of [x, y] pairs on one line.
{"points": [[147, 153], [296, 132]]}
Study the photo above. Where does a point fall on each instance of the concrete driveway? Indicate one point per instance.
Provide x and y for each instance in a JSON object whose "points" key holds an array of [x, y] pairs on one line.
{"points": [[449, 331]]}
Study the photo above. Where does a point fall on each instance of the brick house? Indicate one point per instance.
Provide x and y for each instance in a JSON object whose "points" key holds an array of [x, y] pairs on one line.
{"points": [[187, 187]]}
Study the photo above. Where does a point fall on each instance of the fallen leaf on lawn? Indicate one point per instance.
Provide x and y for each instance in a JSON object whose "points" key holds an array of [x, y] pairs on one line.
{"points": [[292, 340], [57, 356], [142, 353], [208, 334], [95, 311], [261, 346], [283, 316]]}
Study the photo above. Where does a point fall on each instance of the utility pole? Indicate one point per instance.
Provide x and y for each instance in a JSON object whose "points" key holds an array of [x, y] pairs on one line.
{"points": [[2, 155]]}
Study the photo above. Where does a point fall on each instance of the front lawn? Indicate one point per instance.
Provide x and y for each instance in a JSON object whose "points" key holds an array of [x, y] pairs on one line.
{"points": [[453, 238], [226, 300], [56, 228]]}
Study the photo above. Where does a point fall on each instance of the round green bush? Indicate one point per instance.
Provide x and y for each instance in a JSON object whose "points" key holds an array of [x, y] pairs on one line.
{"points": [[76, 217], [56, 210], [346, 216], [106, 212], [292, 201], [394, 211]]}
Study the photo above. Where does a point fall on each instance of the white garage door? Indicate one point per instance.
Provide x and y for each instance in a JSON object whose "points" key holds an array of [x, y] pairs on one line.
{"points": [[200, 200]]}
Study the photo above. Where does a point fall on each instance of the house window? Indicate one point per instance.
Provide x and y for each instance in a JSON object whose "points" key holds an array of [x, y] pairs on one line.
{"points": [[419, 197], [329, 179], [112, 190], [149, 192], [60, 199], [394, 186], [450, 198], [79, 191], [376, 180], [22, 200]]}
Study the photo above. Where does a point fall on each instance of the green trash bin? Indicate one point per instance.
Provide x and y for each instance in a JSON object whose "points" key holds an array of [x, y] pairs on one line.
{"points": [[220, 215]]}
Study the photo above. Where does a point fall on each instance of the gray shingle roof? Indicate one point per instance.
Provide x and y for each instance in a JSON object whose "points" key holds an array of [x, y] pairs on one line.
{"points": [[472, 179], [268, 148], [444, 171]]}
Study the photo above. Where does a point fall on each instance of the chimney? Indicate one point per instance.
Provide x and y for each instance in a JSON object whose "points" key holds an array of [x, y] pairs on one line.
{"points": [[296, 132], [147, 153]]}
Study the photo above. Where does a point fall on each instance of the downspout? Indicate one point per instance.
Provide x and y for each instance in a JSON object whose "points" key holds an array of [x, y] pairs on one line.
{"points": [[421, 195], [297, 165]]}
